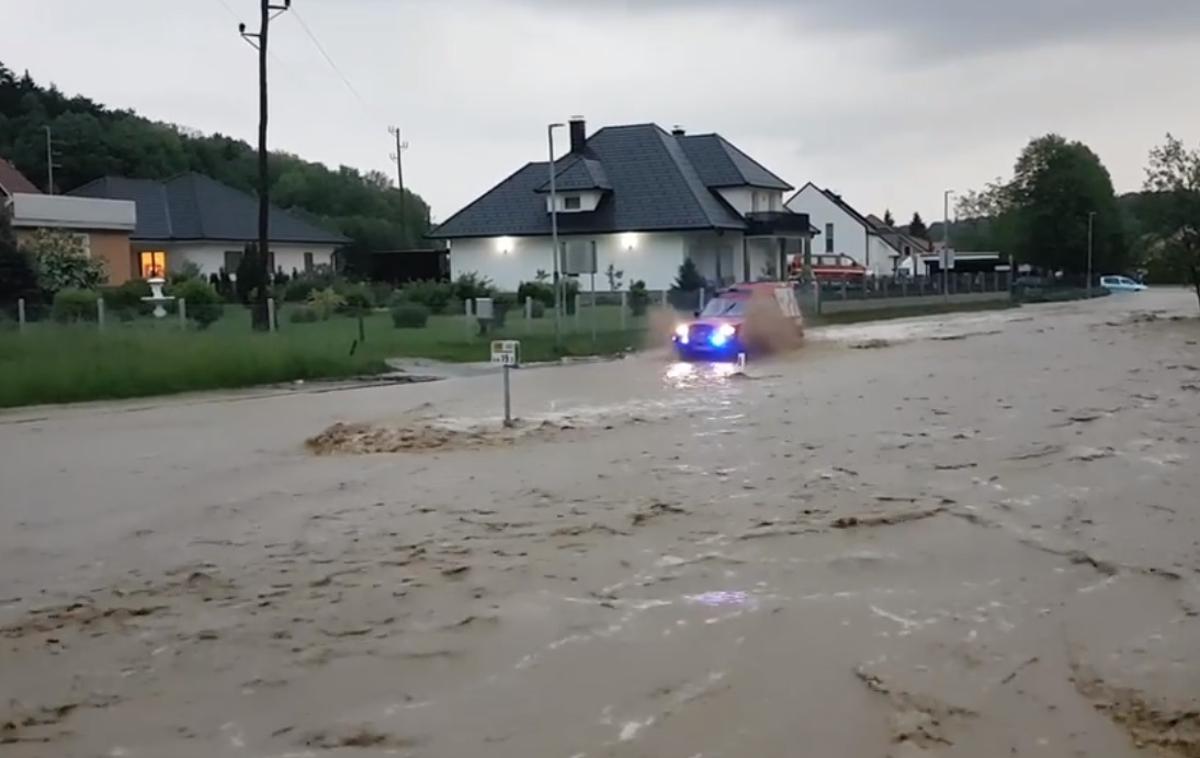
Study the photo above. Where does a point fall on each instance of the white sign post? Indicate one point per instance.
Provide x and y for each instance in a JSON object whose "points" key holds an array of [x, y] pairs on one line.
{"points": [[507, 353]]}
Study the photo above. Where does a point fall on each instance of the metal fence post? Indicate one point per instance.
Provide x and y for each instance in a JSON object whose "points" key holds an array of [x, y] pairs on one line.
{"points": [[578, 303], [271, 315], [701, 300], [843, 289], [468, 311], [663, 299], [528, 313], [624, 305], [21, 314], [100, 312], [182, 313]]}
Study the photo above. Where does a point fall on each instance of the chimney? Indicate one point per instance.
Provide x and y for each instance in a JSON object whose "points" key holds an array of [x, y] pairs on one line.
{"points": [[678, 131], [578, 133]]}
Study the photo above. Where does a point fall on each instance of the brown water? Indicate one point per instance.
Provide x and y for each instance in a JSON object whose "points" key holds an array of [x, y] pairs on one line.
{"points": [[978, 539]]}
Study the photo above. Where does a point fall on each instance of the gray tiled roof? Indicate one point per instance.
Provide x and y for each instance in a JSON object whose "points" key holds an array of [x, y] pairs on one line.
{"points": [[720, 164], [579, 174], [192, 206], [13, 181], [653, 184]]}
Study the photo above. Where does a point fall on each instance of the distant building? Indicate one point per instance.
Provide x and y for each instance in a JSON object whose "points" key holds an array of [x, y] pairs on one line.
{"points": [[867, 240], [638, 198], [103, 226], [192, 218]]}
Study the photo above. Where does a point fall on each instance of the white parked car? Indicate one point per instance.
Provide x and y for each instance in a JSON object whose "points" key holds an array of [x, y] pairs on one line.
{"points": [[1121, 284]]}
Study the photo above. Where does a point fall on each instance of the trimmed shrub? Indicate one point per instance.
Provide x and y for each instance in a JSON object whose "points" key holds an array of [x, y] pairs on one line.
{"points": [[471, 286], [304, 315], [536, 309], [127, 296], [203, 303], [639, 298], [541, 292], [298, 290], [325, 302], [356, 297], [73, 305], [434, 295], [410, 316], [381, 292]]}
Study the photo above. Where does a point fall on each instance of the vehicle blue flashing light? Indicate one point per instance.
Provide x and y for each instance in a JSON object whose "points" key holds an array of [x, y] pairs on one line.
{"points": [[718, 339]]}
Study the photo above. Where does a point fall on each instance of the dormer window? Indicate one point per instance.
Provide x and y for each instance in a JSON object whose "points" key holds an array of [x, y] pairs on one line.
{"points": [[571, 203]]}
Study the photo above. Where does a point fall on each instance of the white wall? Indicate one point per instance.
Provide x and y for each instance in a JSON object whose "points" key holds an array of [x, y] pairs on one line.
{"points": [[587, 201], [849, 235], [742, 199], [210, 256], [884, 257], [650, 256]]}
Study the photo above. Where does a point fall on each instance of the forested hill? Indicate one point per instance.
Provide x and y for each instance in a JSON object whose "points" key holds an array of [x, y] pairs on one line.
{"points": [[92, 140]]}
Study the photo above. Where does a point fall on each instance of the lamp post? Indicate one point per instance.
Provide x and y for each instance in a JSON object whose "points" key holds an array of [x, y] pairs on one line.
{"points": [[554, 237], [1091, 221], [946, 243]]}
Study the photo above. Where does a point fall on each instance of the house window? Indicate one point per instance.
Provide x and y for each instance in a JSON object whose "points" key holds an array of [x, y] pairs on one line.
{"points": [[233, 259], [152, 264], [308, 261], [829, 238], [571, 203]]}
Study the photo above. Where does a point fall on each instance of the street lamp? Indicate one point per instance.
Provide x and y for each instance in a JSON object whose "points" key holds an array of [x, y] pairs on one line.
{"points": [[946, 243], [554, 236], [1091, 221]]}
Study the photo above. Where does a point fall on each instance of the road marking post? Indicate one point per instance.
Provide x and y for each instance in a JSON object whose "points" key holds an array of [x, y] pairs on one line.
{"points": [[182, 303], [271, 315], [506, 353], [20, 314], [100, 312]]}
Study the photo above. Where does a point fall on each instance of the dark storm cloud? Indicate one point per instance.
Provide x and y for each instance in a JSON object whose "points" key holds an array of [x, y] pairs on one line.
{"points": [[941, 27]]}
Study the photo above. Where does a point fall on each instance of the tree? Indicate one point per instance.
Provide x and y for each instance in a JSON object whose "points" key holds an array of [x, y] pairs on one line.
{"points": [[61, 262], [18, 279], [1172, 210], [94, 141], [917, 228], [888, 219], [688, 279], [1056, 185]]}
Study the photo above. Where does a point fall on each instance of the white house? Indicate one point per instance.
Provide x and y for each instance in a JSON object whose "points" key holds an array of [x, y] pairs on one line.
{"points": [[845, 231], [643, 200], [192, 218]]}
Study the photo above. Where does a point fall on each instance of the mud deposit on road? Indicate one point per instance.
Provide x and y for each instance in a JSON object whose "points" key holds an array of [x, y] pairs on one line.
{"points": [[980, 540]]}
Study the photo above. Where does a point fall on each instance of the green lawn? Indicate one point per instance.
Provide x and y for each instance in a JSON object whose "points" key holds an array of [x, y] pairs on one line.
{"points": [[53, 363]]}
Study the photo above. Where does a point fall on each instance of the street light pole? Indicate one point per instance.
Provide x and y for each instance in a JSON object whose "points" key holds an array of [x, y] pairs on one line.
{"points": [[946, 243], [554, 237], [1091, 220]]}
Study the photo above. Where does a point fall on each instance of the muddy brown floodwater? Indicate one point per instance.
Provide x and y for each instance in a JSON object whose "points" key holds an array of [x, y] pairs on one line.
{"points": [[979, 537]]}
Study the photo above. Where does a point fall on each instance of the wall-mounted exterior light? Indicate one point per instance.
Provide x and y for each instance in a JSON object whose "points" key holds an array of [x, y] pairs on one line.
{"points": [[629, 240], [504, 245]]}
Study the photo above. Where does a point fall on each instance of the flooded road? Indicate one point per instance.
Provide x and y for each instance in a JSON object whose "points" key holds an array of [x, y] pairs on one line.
{"points": [[971, 535]]}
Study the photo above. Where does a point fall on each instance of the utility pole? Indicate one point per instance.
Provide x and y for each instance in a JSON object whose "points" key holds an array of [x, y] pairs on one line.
{"points": [[49, 161], [554, 237], [1091, 220], [398, 157], [268, 11]]}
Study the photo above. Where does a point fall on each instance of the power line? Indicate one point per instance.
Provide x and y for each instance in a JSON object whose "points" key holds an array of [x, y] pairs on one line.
{"points": [[329, 59], [229, 10]]}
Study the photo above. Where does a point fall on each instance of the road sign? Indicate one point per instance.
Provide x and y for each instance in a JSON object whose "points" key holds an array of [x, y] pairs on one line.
{"points": [[948, 258], [506, 352]]}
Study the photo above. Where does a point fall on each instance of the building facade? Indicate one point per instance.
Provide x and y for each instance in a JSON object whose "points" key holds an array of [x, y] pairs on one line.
{"points": [[638, 199]]}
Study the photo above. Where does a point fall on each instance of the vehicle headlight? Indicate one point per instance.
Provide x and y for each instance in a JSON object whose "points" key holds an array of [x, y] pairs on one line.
{"points": [[681, 332], [726, 330]]}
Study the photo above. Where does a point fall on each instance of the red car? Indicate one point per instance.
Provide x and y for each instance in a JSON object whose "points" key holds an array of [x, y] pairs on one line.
{"points": [[830, 269]]}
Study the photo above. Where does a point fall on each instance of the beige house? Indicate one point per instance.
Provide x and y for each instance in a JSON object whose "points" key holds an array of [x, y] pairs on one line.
{"points": [[103, 226]]}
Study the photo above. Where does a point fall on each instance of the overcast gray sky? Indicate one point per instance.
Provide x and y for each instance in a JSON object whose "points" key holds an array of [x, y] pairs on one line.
{"points": [[887, 102]]}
